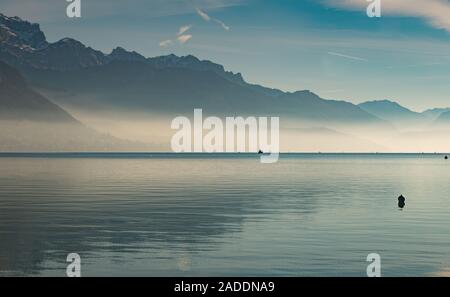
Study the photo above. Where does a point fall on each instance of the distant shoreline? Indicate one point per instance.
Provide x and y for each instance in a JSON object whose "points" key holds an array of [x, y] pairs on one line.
{"points": [[169, 155]]}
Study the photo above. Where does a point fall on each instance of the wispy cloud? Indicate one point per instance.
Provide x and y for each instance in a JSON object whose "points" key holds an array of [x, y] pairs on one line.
{"points": [[203, 15], [434, 12], [184, 38], [181, 37], [223, 25], [166, 43], [207, 18], [347, 56], [184, 29]]}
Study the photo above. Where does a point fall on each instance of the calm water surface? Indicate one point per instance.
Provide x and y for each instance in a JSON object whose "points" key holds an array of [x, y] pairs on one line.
{"points": [[168, 215]]}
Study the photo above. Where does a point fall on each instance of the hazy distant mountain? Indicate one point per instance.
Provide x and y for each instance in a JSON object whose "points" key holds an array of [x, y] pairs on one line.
{"points": [[135, 86], [435, 113], [310, 106], [30, 122], [19, 102], [443, 120], [393, 112]]}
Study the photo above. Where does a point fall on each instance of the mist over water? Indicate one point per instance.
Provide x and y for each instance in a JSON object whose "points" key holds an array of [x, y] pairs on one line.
{"points": [[221, 215], [131, 131]]}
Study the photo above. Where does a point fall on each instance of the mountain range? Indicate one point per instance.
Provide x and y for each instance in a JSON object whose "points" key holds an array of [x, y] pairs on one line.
{"points": [[20, 102], [31, 122], [103, 90]]}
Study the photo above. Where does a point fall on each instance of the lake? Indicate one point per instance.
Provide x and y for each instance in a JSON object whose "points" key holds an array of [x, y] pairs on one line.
{"points": [[224, 215]]}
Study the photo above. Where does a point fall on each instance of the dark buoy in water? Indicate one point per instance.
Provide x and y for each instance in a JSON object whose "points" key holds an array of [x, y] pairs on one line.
{"points": [[446, 158], [401, 201]]}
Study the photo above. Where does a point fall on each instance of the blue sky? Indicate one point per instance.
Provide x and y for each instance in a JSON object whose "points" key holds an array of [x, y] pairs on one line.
{"points": [[328, 46]]}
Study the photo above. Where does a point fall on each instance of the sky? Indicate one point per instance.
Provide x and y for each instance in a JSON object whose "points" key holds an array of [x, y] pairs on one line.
{"points": [[330, 47]]}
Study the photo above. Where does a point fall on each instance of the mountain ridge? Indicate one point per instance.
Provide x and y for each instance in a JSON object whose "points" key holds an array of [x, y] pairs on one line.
{"points": [[434, 113], [167, 82], [30, 49], [31, 122], [443, 119], [393, 112], [18, 101], [126, 83], [70, 54]]}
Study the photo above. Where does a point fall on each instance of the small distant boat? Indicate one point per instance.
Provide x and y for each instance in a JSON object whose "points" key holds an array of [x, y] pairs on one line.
{"points": [[260, 152]]}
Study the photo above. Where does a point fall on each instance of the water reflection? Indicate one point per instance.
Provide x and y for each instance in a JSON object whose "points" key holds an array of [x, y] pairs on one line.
{"points": [[51, 207], [166, 216]]}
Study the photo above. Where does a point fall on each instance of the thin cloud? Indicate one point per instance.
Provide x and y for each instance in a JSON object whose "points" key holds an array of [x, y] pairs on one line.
{"points": [[184, 38], [165, 43], [223, 25], [435, 12], [184, 29], [207, 18], [181, 37], [203, 15], [347, 56]]}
